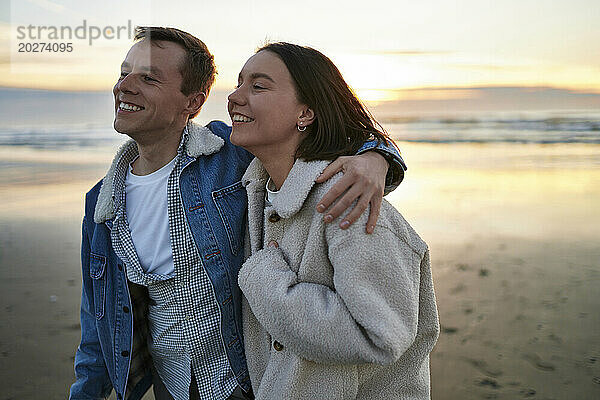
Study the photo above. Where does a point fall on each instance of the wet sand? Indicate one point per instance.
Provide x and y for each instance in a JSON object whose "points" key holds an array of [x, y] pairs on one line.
{"points": [[513, 232], [514, 235]]}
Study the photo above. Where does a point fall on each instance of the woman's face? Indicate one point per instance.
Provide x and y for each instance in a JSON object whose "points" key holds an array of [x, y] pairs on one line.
{"points": [[264, 108]]}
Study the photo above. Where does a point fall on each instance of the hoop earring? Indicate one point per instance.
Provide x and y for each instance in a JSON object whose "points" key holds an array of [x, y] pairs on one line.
{"points": [[300, 129]]}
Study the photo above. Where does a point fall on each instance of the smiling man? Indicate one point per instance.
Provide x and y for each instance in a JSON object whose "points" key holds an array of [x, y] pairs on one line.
{"points": [[163, 234]]}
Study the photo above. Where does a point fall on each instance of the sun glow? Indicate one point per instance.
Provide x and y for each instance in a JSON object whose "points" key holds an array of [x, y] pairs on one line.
{"points": [[408, 46]]}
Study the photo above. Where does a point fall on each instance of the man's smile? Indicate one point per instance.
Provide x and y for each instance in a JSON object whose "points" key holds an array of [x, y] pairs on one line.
{"points": [[129, 107]]}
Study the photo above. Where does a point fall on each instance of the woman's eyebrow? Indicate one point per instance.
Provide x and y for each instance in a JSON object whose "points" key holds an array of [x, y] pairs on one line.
{"points": [[256, 75]]}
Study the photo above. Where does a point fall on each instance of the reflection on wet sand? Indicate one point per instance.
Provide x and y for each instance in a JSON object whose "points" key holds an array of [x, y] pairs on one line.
{"points": [[513, 231]]}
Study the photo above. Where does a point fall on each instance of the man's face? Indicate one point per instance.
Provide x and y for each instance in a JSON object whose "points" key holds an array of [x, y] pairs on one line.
{"points": [[148, 98]]}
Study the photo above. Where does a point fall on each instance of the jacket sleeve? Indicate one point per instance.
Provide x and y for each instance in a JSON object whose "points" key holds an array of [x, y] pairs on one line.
{"points": [[369, 316], [92, 380], [391, 153]]}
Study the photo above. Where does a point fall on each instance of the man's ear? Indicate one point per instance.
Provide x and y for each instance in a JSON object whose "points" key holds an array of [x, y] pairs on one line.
{"points": [[307, 117], [195, 102]]}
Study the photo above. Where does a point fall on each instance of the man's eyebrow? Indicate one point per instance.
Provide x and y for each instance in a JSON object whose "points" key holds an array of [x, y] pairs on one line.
{"points": [[152, 69]]}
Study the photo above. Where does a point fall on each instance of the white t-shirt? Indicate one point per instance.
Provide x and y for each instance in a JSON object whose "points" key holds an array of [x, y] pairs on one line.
{"points": [[271, 191], [148, 219]]}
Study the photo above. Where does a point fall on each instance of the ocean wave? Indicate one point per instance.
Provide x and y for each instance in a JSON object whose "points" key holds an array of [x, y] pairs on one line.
{"points": [[541, 129], [64, 138], [466, 129], [569, 124], [493, 136]]}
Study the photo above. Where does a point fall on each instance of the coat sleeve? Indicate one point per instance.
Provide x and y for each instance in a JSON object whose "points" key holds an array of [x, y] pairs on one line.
{"points": [[369, 316], [92, 380], [391, 153]]}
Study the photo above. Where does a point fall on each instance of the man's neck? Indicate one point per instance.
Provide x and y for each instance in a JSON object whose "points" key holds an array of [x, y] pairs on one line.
{"points": [[153, 156]]}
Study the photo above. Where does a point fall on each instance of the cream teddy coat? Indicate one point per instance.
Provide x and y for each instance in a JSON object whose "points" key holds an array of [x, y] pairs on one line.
{"points": [[332, 313]]}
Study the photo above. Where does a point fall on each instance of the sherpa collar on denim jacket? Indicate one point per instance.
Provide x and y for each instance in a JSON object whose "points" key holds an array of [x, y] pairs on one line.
{"points": [[200, 141]]}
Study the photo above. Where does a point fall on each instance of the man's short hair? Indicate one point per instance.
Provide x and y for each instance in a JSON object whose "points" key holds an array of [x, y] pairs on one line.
{"points": [[198, 68]]}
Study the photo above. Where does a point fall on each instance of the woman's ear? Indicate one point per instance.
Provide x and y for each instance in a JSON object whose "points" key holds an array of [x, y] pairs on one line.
{"points": [[307, 117]]}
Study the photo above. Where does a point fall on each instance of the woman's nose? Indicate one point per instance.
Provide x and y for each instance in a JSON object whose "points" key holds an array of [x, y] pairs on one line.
{"points": [[235, 96]]}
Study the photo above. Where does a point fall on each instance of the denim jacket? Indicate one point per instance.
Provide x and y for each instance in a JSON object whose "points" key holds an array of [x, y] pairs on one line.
{"points": [[215, 208]]}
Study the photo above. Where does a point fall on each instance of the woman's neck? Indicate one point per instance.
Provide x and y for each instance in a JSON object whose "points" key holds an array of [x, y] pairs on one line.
{"points": [[278, 168], [278, 158]]}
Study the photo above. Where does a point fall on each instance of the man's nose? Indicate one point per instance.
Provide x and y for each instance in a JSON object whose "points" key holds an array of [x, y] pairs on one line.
{"points": [[127, 84]]}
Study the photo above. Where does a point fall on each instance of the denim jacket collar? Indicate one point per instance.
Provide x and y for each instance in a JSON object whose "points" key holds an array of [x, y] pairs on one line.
{"points": [[197, 140]]}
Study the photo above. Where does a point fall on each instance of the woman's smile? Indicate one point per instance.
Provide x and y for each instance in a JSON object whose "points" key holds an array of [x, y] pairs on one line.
{"points": [[264, 107]]}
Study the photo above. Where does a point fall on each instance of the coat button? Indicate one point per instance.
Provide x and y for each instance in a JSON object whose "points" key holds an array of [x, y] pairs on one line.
{"points": [[120, 267], [125, 309], [124, 353], [274, 217], [277, 346]]}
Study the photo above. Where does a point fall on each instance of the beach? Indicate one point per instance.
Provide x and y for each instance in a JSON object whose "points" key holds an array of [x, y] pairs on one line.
{"points": [[495, 107], [513, 231]]}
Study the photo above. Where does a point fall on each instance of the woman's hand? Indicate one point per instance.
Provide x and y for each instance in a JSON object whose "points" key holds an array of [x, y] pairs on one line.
{"points": [[364, 178]]}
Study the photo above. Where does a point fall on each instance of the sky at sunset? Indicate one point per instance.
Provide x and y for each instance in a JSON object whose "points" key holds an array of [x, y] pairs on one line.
{"points": [[385, 49]]}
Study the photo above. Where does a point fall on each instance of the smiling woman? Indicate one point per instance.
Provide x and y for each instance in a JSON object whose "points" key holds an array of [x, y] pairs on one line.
{"points": [[329, 313], [264, 85]]}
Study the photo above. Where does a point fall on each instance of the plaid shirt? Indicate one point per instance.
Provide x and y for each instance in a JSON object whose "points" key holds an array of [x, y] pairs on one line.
{"points": [[179, 323]]}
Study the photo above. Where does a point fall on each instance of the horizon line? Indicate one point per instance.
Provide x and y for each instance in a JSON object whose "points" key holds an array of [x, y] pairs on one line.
{"points": [[590, 90]]}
